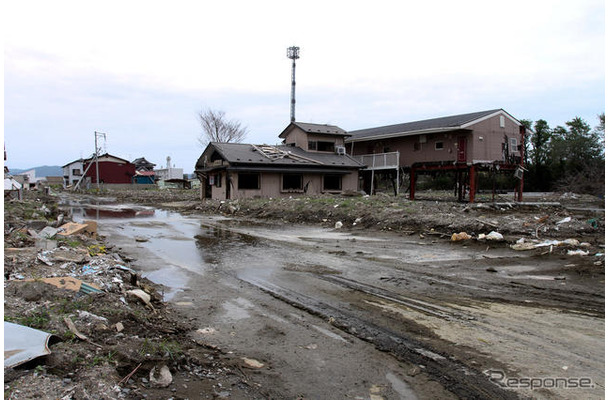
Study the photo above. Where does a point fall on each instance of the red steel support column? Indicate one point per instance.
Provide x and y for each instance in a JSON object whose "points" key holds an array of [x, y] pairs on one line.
{"points": [[412, 184], [473, 182], [520, 194]]}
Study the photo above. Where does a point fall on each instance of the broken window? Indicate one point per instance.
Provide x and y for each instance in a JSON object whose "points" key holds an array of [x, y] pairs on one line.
{"points": [[292, 182], [76, 171], [248, 180], [332, 182]]}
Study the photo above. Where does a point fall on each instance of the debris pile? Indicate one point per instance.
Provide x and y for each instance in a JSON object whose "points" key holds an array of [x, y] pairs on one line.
{"points": [[97, 328]]}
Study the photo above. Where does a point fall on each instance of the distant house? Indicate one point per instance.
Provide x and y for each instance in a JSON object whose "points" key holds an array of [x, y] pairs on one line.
{"points": [[171, 177], [110, 169], [311, 160], [145, 173], [27, 179], [54, 180], [144, 177], [464, 144], [72, 172], [166, 174], [143, 165]]}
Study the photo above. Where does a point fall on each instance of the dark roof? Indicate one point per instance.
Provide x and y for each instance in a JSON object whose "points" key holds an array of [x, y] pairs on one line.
{"points": [[275, 157], [444, 123], [72, 162], [316, 128], [92, 158]]}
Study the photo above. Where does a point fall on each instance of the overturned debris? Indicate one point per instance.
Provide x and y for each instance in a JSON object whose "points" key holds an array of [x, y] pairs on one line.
{"points": [[23, 344]]}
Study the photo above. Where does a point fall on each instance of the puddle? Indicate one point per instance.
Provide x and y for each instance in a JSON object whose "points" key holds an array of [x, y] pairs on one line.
{"points": [[516, 268], [172, 278], [400, 387], [237, 309], [329, 333], [536, 277]]}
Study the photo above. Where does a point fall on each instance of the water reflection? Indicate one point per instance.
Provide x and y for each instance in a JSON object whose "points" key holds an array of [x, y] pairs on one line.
{"points": [[213, 242]]}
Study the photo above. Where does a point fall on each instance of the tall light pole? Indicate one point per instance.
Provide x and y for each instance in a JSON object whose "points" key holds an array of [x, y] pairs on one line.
{"points": [[293, 54]]}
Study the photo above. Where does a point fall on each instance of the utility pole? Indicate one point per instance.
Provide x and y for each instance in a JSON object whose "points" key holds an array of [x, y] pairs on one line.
{"points": [[97, 151], [293, 54]]}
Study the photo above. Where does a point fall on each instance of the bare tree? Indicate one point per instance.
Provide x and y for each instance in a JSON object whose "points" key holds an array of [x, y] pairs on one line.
{"points": [[216, 128]]}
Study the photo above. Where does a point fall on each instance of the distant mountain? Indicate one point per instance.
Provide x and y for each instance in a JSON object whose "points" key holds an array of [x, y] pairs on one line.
{"points": [[45, 170]]}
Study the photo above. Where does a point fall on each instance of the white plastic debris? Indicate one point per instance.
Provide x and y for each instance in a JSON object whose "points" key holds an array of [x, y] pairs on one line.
{"points": [[140, 294], [578, 253], [22, 344], [565, 220], [160, 377], [90, 316], [338, 225], [252, 363], [493, 235]]}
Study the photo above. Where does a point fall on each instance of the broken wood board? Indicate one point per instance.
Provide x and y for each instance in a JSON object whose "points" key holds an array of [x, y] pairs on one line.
{"points": [[73, 228]]}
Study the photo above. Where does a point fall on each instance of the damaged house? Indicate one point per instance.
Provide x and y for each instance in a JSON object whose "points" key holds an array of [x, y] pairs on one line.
{"points": [[463, 145], [311, 160]]}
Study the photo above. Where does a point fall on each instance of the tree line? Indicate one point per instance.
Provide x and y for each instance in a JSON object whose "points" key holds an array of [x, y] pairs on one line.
{"points": [[567, 158]]}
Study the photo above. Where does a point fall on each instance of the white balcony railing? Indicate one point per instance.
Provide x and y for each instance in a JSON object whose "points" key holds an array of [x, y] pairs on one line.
{"points": [[380, 160]]}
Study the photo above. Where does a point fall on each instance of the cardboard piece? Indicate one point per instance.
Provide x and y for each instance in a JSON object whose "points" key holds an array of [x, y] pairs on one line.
{"points": [[71, 228], [69, 283]]}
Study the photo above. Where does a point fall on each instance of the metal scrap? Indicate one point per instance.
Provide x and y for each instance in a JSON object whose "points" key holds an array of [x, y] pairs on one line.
{"points": [[22, 344]]}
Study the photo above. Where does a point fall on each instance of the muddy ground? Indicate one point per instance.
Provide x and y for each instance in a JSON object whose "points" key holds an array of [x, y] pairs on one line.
{"points": [[161, 334]]}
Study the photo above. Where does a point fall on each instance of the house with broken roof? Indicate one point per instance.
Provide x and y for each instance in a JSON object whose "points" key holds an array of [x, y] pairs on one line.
{"points": [[311, 160], [145, 173], [462, 144]]}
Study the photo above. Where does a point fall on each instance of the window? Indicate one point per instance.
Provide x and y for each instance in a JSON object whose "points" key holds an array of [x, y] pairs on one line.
{"points": [[248, 180], [502, 122], [218, 180], [439, 146], [332, 182], [513, 145], [321, 146], [292, 182], [326, 146], [76, 171]]}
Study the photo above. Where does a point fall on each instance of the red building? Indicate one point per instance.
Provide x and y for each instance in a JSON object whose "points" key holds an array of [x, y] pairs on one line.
{"points": [[112, 170]]}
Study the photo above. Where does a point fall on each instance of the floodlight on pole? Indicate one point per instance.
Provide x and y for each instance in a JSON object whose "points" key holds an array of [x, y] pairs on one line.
{"points": [[293, 54]]}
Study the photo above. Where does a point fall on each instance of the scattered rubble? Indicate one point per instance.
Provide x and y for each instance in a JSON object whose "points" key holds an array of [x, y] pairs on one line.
{"points": [[120, 340], [115, 337]]}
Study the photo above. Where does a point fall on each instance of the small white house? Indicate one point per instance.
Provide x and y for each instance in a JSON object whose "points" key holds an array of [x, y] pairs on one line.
{"points": [[169, 172], [166, 174], [73, 172]]}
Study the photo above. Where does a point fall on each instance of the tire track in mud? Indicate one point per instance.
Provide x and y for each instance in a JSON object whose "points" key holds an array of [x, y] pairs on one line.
{"points": [[456, 377], [434, 310]]}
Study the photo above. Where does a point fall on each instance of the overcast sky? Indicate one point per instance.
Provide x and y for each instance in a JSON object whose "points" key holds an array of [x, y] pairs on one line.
{"points": [[140, 71]]}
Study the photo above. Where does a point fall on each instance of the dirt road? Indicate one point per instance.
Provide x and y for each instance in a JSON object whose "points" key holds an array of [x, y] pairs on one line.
{"points": [[324, 313]]}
